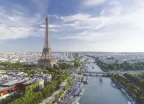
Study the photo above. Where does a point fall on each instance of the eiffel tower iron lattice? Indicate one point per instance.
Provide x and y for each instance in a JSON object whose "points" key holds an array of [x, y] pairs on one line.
{"points": [[46, 59]]}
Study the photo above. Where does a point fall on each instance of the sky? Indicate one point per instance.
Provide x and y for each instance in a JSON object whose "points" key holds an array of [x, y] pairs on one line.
{"points": [[74, 25]]}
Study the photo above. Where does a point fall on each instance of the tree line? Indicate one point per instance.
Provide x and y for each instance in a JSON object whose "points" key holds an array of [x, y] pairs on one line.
{"points": [[115, 66], [135, 79], [131, 87]]}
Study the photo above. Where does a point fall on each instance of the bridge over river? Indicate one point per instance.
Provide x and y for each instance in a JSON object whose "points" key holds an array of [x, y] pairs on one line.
{"points": [[92, 73], [96, 73]]}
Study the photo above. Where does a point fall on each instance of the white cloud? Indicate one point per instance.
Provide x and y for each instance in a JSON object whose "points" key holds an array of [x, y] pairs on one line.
{"points": [[50, 26], [19, 22], [86, 35], [113, 18], [79, 17], [77, 21], [54, 26], [91, 3], [120, 25], [13, 32]]}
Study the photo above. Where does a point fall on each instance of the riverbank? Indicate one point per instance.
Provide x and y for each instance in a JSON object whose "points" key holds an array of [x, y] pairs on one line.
{"points": [[131, 87], [74, 93], [123, 90]]}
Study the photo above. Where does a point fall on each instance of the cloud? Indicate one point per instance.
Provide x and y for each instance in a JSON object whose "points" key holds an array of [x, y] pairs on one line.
{"points": [[91, 3], [119, 26], [86, 35], [116, 23], [20, 22], [115, 20], [54, 26], [50, 26], [76, 22], [8, 32], [78, 17]]}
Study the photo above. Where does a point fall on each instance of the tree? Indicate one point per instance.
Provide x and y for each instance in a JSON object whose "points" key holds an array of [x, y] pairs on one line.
{"points": [[48, 103], [86, 60], [129, 84]]}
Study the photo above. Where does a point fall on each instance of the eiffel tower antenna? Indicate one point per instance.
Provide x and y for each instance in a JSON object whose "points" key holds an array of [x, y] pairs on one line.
{"points": [[47, 33]]}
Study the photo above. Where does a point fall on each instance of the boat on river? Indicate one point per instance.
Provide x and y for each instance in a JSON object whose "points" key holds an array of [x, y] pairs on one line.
{"points": [[92, 67], [100, 79], [129, 97], [129, 102], [85, 80], [113, 85], [81, 92]]}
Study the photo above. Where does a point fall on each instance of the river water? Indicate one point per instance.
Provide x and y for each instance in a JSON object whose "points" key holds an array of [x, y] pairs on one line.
{"points": [[97, 92]]}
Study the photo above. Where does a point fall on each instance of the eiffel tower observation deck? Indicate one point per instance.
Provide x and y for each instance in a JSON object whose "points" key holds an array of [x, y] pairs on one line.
{"points": [[46, 59]]}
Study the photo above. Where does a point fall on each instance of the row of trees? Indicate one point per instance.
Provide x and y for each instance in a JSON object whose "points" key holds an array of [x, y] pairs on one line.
{"points": [[69, 82], [132, 89], [49, 89], [57, 96], [31, 95], [125, 65], [135, 79], [9, 65], [78, 61], [141, 75], [64, 66]]}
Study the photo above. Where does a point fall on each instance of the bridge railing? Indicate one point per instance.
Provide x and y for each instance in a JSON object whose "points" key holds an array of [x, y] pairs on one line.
{"points": [[94, 72]]}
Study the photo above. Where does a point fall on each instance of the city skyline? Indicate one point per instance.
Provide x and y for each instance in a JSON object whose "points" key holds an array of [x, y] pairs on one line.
{"points": [[75, 25]]}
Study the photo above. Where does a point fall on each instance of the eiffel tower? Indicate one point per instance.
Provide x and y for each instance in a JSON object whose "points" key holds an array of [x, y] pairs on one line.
{"points": [[46, 59]]}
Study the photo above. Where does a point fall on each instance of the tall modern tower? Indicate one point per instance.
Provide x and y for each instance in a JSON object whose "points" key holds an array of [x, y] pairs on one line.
{"points": [[47, 59]]}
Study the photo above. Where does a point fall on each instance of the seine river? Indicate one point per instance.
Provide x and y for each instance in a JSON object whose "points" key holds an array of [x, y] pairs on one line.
{"points": [[97, 92]]}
